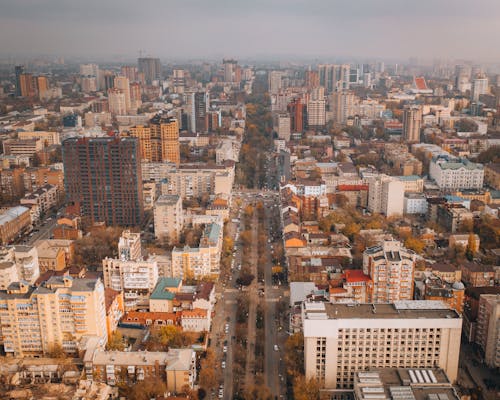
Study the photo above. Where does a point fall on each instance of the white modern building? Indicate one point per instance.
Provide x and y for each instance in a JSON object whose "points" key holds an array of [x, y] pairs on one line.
{"points": [[342, 339]]}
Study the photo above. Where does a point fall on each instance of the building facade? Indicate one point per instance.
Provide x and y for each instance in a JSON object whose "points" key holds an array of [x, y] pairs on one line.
{"points": [[103, 175]]}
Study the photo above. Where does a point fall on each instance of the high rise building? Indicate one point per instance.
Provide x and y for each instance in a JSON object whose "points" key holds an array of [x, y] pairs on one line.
{"points": [[488, 329], [391, 267], [296, 111], [275, 81], [312, 79], [117, 102], [130, 72], [479, 87], [168, 218], [284, 125], [56, 315], [135, 95], [386, 195], [200, 103], [122, 83], [316, 115], [412, 122], [151, 68], [342, 339], [103, 175], [178, 81], [342, 106], [167, 130], [27, 83], [19, 69], [230, 68], [91, 71]]}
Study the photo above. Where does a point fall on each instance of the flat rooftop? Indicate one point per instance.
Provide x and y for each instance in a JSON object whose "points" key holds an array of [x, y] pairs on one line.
{"points": [[400, 310]]}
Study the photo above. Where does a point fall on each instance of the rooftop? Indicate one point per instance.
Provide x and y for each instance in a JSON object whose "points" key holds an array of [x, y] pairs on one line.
{"points": [[161, 291], [410, 309]]}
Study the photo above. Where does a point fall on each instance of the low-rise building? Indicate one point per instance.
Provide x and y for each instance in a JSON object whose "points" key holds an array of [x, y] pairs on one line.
{"points": [[45, 198], [477, 275], [13, 222], [177, 367], [452, 173], [415, 203]]}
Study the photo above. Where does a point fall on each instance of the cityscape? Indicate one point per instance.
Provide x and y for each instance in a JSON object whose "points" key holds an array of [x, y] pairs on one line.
{"points": [[237, 211]]}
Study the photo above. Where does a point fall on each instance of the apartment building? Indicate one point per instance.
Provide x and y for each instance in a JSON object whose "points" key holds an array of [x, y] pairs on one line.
{"points": [[492, 175], [391, 267], [13, 222], [488, 329], [200, 261], [36, 321], [177, 367], [44, 198], [47, 138], [452, 173], [342, 339], [24, 259], [168, 218], [385, 195], [190, 181]]}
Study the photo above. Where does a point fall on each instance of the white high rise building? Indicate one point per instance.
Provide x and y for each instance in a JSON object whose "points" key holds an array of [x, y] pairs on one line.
{"points": [[122, 83], [284, 126], [275, 81], [316, 115], [479, 86], [386, 195]]}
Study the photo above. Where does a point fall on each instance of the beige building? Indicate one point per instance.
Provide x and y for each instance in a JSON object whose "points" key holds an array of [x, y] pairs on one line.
{"points": [[385, 195], [122, 83], [13, 222], [190, 181], [168, 218], [37, 321], [47, 138], [177, 367], [488, 329], [117, 102], [492, 175], [412, 122], [391, 267], [25, 262], [200, 261], [17, 147], [342, 339]]}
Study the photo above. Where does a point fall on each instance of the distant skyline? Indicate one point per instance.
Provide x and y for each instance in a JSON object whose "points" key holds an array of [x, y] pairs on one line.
{"points": [[272, 29]]}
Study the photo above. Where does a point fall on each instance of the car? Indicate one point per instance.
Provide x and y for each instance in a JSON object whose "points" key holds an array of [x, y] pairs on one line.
{"points": [[221, 393], [223, 364], [224, 349], [276, 348]]}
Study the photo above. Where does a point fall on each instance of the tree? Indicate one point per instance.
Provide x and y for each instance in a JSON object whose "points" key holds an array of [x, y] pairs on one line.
{"points": [[116, 342], [415, 244], [147, 389], [305, 389], [294, 354], [471, 247]]}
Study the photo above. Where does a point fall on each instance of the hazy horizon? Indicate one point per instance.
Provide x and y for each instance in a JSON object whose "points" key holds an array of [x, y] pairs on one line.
{"points": [[195, 29]]}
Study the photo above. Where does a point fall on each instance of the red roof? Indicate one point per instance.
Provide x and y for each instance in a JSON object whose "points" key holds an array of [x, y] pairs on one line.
{"points": [[351, 188], [356, 275], [420, 83]]}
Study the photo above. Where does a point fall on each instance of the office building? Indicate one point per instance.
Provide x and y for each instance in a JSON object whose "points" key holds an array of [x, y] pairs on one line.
{"points": [[230, 71], [103, 175], [456, 173], [412, 122], [151, 68], [168, 218], [342, 339], [36, 321], [391, 267]]}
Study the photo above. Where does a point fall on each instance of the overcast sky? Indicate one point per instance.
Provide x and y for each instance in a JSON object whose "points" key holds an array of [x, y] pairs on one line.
{"points": [[467, 29]]}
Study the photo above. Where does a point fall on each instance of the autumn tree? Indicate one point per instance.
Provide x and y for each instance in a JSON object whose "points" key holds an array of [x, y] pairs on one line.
{"points": [[415, 244], [149, 388], [305, 389], [294, 354], [116, 342]]}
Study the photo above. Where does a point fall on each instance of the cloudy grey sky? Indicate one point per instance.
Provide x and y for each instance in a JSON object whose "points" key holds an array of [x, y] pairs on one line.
{"points": [[253, 28]]}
